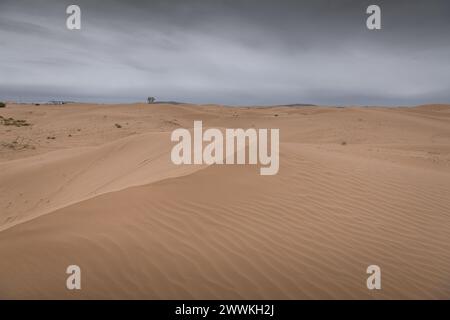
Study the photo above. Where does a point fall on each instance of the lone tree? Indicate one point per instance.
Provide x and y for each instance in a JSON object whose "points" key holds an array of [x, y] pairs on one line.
{"points": [[2, 104], [151, 99]]}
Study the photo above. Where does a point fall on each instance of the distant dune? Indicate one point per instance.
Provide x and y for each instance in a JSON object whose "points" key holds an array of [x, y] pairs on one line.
{"points": [[93, 185]]}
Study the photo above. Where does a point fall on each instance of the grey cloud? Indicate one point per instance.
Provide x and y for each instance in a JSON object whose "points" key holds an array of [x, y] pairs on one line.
{"points": [[231, 52]]}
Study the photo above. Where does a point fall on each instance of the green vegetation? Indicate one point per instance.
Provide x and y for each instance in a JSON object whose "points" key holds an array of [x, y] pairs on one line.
{"points": [[2, 105]]}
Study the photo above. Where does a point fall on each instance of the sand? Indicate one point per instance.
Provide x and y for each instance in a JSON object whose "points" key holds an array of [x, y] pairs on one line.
{"points": [[356, 186]]}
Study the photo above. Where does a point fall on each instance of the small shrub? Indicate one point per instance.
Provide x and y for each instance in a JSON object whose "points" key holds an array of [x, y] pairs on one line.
{"points": [[13, 122], [2, 105], [18, 144], [344, 143], [118, 126]]}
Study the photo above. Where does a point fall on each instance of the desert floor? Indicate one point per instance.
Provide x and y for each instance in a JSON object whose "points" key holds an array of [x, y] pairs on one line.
{"points": [[94, 186]]}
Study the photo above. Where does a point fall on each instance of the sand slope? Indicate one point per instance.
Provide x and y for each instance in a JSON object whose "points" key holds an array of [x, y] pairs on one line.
{"points": [[56, 179], [227, 232]]}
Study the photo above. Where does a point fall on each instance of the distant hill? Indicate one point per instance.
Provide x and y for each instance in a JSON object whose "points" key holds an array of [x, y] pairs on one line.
{"points": [[169, 102], [298, 105]]}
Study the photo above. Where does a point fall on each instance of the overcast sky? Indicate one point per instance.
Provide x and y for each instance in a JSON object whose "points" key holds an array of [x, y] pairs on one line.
{"points": [[248, 52]]}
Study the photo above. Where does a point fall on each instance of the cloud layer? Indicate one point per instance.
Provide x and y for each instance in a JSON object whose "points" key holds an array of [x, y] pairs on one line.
{"points": [[231, 52]]}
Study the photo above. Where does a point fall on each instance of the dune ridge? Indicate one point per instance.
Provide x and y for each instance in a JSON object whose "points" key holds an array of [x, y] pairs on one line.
{"points": [[59, 178]]}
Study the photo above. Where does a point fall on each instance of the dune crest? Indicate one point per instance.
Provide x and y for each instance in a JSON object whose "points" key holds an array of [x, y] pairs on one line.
{"points": [[54, 180]]}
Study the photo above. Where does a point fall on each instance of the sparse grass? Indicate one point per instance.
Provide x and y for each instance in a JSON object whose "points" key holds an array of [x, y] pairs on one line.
{"points": [[173, 122], [19, 143], [13, 122]]}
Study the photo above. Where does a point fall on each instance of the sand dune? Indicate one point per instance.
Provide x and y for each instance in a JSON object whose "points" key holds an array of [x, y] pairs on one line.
{"points": [[56, 179], [140, 227]]}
